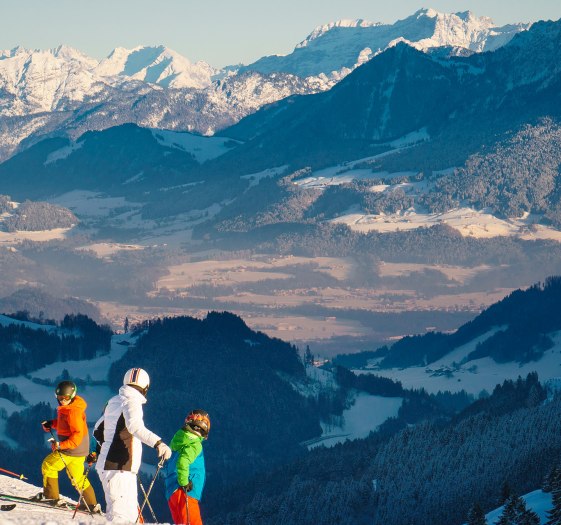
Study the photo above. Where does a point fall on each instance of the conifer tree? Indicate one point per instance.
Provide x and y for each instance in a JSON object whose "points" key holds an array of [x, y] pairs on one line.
{"points": [[476, 516], [547, 484], [506, 492], [508, 517], [554, 515]]}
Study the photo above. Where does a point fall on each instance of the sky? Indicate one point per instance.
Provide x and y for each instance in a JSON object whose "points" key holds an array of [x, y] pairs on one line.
{"points": [[220, 32]]}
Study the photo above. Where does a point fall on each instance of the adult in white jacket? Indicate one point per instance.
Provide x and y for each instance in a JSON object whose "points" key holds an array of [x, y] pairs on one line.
{"points": [[121, 432]]}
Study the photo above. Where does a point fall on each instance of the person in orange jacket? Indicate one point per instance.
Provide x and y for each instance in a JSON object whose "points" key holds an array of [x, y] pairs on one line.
{"points": [[71, 449]]}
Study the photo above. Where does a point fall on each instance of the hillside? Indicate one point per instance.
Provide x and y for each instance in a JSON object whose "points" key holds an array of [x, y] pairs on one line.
{"points": [[518, 328], [393, 478]]}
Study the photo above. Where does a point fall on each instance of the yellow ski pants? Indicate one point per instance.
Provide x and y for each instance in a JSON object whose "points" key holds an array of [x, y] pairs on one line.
{"points": [[53, 464]]}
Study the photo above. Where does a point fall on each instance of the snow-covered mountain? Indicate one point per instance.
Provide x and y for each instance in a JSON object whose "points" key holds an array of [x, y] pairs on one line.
{"points": [[57, 79], [62, 91], [156, 65], [335, 49]]}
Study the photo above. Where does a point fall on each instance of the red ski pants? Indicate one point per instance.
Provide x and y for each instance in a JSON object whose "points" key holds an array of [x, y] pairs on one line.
{"points": [[184, 509]]}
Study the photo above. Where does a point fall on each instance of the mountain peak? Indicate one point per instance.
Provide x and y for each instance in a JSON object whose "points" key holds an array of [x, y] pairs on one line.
{"points": [[325, 28], [156, 64]]}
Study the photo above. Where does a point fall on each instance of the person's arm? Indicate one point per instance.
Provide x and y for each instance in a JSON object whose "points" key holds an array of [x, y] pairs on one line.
{"points": [[187, 455], [77, 425], [134, 421], [98, 432]]}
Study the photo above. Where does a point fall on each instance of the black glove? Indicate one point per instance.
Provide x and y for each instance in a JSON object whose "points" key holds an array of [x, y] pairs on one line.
{"points": [[188, 487], [47, 425], [91, 459]]}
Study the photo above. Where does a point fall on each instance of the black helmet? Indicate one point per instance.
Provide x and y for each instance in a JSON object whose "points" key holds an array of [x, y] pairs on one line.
{"points": [[66, 388]]}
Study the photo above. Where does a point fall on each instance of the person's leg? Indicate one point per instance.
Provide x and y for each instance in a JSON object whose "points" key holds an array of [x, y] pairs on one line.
{"points": [[178, 508], [103, 476], [121, 496], [76, 472], [194, 512], [50, 468]]}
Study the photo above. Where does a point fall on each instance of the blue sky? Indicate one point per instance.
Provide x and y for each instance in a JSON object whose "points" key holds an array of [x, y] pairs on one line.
{"points": [[220, 32]]}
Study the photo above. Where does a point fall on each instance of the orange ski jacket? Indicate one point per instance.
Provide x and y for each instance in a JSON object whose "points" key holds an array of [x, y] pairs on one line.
{"points": [[72, 428]]}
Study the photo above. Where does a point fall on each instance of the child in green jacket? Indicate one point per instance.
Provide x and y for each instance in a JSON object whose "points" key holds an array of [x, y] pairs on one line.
{"points": [[184, 473]]}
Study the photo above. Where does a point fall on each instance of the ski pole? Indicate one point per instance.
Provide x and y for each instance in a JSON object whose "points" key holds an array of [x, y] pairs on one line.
{"points": [[187, 506], [160, 465], [72, 480], [20, 476], [82, 492], [148, 503]]}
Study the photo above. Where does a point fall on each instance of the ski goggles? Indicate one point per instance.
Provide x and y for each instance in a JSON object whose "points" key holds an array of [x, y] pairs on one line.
{"points": [[64, 397]]}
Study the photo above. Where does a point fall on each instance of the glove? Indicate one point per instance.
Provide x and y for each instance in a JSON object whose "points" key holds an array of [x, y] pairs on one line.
{"points": [[47, 425], [55, 445], [91, 459], [188, 487], [164, 451]]}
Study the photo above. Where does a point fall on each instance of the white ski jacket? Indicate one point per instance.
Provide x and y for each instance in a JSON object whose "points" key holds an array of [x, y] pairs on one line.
{"points": [[121, 432]]}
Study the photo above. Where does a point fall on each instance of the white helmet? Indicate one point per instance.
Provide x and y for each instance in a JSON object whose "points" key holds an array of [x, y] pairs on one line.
{"points": [[137, 377]]}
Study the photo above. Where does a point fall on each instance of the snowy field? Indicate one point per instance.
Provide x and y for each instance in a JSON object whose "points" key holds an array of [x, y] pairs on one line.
{"points": [[202, 148], [90, 204], [365, 415], [95, 369], [473, 376], [235, 271], [9, 238], [469, 222]]}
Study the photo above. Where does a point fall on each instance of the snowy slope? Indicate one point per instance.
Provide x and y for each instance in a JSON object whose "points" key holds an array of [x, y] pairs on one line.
{"points": [[93, 370], [451, 373], [157, 65], [28, 514], [538, 501], [366, 414], [202, 148]]}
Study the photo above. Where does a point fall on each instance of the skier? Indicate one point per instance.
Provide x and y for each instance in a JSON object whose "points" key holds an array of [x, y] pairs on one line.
{"points": [[184, 474], [71, 450], [121, 432]]}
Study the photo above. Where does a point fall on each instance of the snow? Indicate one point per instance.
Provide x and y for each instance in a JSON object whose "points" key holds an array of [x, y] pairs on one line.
{"points": [[96, 369], [347, 172], [365, 415], [36, 236], [414, 137], [30, 514], [538, 501], [7, 321], [468, 221], [255, 178], [91, 204], [63, 153], [334, 49], [157, 65], [104, 250], [202, 148], [472, 376]]}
